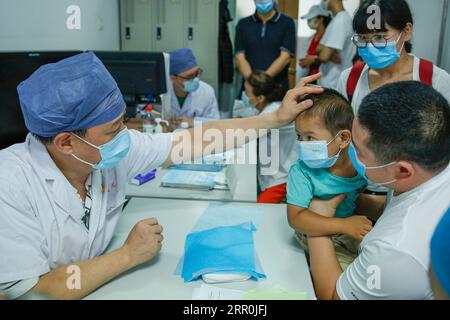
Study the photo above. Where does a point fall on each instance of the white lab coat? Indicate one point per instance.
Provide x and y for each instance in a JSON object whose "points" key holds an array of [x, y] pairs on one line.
{"points": [[200, 104], [40, 211]]}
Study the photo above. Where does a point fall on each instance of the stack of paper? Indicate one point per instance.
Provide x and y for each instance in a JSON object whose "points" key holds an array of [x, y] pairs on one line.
{"points": [[189, 179]]}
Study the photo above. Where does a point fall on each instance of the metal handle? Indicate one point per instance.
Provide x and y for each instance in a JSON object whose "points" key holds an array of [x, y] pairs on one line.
{"points": [[158, 33]]}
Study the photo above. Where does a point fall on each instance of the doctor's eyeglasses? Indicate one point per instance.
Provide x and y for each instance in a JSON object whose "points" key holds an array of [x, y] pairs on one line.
{"points": [[197, 75]]}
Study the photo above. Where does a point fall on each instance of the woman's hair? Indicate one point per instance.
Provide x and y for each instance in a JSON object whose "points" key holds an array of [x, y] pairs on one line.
{"points": [[264, 85], [326, 20], [395, 13]]}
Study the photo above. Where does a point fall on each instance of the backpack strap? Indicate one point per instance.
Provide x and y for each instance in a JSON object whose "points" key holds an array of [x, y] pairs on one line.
{"points": [[353, 79], [426, 72]]}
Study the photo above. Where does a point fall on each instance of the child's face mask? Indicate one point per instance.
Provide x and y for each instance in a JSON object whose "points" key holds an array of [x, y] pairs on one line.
{"points": [[315, 154]]}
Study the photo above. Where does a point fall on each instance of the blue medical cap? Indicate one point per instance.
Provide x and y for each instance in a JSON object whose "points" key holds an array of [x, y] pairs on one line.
{"points": [[74, 94], [440, 253], [182, 60]]}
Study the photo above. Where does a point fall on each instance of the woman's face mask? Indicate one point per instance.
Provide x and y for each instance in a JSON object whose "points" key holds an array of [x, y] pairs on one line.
{"points": [[248, 104], [380, 58], [111, 153], [313, 24], [315, 154]]}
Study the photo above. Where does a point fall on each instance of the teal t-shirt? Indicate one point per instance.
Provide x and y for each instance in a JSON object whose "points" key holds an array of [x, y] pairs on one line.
{"points": [[304, 184]]}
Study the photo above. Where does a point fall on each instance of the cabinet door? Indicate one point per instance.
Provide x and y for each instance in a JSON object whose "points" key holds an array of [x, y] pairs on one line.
{"points": [[201, 35], [168, 24], [136, 25]]}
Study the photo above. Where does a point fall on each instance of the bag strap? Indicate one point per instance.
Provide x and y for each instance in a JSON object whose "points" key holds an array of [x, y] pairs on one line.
{"points": [[426, 72], [353, 79]]}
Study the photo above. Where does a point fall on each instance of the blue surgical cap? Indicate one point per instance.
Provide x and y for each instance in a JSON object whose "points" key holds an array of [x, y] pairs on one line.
{"points": [[440, 253], [74, 94], [182, 60]]}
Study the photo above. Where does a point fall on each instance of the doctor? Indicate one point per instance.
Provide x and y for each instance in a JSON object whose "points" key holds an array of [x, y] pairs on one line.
{"points": [[63, 189], [192, 99]]}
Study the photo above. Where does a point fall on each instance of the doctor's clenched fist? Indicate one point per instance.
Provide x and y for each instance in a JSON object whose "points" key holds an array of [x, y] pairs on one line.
{"points": [[143, 242]]}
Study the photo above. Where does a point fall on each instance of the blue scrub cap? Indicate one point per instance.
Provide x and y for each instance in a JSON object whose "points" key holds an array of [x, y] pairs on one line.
{"points": [[182, 60], [440, 253], [74, 94]]}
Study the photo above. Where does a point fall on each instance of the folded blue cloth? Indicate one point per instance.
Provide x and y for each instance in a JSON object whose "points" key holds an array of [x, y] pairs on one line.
{"points": [[225, 249]]}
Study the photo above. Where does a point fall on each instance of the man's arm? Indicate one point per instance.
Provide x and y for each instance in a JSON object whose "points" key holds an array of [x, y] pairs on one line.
{"points": [[143, 243], [310, 223], [370, 205], [325, 268], [190, 144], [93, 274], [326, 54], [279, 64], [243, 65]]}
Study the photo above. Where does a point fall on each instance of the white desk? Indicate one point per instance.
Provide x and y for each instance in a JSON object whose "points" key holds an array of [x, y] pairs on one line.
{"points": [[242, 180], [283, 261]]}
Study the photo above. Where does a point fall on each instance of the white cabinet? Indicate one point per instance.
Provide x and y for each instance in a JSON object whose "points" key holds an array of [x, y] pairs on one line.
{"points": [[165, 25]]}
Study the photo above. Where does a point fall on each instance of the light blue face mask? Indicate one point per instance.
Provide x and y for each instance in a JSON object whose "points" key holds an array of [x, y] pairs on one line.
{"points": [[315, 154], [264, 7], [191, 85], [246, 101], [112, 152], [380, 58], [361, 168]]}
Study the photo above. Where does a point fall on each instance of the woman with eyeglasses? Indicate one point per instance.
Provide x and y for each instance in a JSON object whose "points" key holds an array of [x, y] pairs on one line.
{"points": [[386, 53]]}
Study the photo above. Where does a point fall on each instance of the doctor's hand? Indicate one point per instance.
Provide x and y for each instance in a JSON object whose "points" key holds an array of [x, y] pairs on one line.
{"points": [[143, 242], [291, 106]]}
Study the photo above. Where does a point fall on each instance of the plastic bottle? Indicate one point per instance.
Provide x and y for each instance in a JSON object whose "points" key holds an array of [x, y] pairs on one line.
{"points": [[148, 121], [159, 128]]}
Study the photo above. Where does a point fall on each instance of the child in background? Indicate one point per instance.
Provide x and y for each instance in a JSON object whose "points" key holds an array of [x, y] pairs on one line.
{"points": [[324, 170], [264, 95]]}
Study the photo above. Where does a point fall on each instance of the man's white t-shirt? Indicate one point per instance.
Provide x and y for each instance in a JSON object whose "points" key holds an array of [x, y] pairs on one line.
{"points": [[441, 82], [394, 257], [338, 36]]}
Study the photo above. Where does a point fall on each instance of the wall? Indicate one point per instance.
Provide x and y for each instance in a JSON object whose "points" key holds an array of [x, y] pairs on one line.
{"points": [[446, 49], [41, 25], [427, 17]]}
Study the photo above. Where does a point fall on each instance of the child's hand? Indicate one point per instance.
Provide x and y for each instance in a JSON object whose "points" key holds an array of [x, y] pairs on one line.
{"points": [[357, 227]]}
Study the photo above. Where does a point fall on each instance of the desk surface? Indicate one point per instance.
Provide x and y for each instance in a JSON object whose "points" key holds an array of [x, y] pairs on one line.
{"points": [[282, 259], [244, 188]]}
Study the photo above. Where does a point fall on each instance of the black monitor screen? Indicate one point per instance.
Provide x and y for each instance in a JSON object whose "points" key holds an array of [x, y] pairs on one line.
{"points": [[14, 68], [139, 75]]}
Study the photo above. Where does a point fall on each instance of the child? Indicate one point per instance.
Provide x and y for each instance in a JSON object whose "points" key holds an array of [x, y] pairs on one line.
{"points": [[264, 95], [324, 170]]}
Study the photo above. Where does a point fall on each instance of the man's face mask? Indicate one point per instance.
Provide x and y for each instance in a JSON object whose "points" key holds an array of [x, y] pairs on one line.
{"points": [[315, 154], [191, 85], [361, 168], [264, 7], [111, 153], [380, 58]]}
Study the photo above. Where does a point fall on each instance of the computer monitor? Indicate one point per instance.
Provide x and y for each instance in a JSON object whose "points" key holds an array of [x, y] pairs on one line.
{"points": [[16, 67], [141, 76]]}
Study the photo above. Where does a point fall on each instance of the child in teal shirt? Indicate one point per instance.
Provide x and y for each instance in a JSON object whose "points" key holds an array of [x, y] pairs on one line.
{"points": [[324, 170]]}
